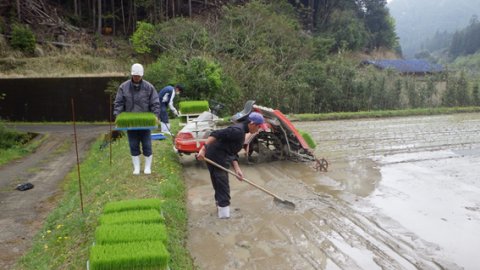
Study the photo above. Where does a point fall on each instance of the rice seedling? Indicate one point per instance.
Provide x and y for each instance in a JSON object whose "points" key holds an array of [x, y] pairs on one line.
{"points": [[134, 232], [308, 138], [132, 255], [136, 216], [136, 119], [193, 106], [127, 205]]}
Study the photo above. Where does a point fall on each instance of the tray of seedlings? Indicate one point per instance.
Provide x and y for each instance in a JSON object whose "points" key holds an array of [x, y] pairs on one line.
{"points": [[191, 109], [136, 121], [131, 235]]}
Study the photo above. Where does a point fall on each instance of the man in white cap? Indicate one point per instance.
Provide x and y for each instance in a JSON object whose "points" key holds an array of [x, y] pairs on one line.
{"points": [[138, 95], [222, 147]]}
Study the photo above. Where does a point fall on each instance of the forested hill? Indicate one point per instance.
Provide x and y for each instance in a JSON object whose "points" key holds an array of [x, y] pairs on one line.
{"points": [[347, 24], [417, 20], [295, 56]]}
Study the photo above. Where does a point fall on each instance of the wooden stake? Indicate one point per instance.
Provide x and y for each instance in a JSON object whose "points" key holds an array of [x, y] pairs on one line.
{"points": [[78, 160], [110, 124]]}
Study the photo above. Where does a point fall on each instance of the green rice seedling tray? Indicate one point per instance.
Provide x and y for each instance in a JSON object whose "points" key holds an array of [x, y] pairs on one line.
{"points": [[132, 255], [308, 138], [137, 204], [136, 121], [136, 128], [193, 106], [134, 216], [134, 232]]}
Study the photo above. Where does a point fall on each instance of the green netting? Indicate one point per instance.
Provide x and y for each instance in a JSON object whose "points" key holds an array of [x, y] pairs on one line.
{"points": [[134, 232], [132, 255], [135, 216], [136, 119], [138, 204], [193, 106]]}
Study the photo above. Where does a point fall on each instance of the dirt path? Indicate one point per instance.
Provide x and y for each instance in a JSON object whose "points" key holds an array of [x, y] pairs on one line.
{"points": [[22, 212], [401, 193]]}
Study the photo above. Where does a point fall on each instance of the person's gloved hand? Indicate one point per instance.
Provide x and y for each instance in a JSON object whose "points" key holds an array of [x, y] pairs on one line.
{"points": [[176, 113]]}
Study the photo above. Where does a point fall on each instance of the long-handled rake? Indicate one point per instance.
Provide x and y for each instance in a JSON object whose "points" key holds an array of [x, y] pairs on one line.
{"points": [[276, 199]]}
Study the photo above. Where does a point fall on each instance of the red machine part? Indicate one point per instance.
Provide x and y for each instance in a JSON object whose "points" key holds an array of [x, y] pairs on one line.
{"points": [[186, 143]]}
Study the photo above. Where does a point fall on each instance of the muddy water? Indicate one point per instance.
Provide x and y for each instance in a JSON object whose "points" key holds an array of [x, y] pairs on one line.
{"points": [[400, 193]]}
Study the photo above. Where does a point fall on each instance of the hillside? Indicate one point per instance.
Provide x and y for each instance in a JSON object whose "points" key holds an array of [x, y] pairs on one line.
{"points": [[287, 56], [416, 21]]}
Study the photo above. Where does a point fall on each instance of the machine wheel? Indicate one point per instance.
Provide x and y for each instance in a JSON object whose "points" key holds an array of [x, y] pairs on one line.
{"points": [[321, 165]]}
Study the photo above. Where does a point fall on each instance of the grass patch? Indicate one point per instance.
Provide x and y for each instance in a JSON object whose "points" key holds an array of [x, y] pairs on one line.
{"points": [[381, 114], [67, 234], [64, 65], [15, 144]]}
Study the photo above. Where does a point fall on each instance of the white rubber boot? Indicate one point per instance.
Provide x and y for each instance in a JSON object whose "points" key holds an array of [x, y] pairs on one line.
{"points": [[165, 128], [136, 165], [224, 212], [148, 165]]}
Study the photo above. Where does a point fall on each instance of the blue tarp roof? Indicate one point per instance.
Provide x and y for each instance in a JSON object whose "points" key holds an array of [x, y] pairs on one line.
{"points": [[406, 66]]}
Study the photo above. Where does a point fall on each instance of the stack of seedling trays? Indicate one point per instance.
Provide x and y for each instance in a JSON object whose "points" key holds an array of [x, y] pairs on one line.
{"points": [[136, 121], [131, 235], [191, 109]]}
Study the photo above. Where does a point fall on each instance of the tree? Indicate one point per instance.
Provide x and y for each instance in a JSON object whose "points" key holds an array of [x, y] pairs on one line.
{"points": [[463, 97], [23, 39], [99, 24], [143, 38], [456, 48], [472, 37], [347, 30], [476, 95], [379, 23]]}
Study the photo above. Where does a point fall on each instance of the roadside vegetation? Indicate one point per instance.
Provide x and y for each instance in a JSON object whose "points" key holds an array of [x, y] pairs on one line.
{"points": [[381, 113], [67, 234], [15, 144]]}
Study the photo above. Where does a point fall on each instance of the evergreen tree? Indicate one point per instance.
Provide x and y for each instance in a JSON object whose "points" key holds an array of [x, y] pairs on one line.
{"points": [[476, 95], [380, 24]]}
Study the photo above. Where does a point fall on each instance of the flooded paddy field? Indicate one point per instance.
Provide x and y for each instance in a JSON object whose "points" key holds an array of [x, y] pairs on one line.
{"points": [[400, 193]]}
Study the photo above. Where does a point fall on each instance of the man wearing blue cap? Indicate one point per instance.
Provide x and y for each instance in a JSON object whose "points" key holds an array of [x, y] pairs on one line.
{"points": [[222, 147]]}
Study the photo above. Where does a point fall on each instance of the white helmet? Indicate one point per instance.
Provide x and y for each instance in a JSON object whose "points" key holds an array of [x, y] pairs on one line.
{"points": [[137, 69]]}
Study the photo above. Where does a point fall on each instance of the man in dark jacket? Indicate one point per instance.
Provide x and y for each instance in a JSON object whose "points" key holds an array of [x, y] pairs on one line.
{"points": [[138, 95], [222, 147]]}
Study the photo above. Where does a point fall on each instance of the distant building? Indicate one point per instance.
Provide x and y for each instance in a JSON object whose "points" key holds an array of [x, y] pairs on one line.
{"points": [[413, 67]]}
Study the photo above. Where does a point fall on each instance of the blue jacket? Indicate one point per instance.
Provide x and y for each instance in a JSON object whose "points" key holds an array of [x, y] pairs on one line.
{"points": [[166, 94]]}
